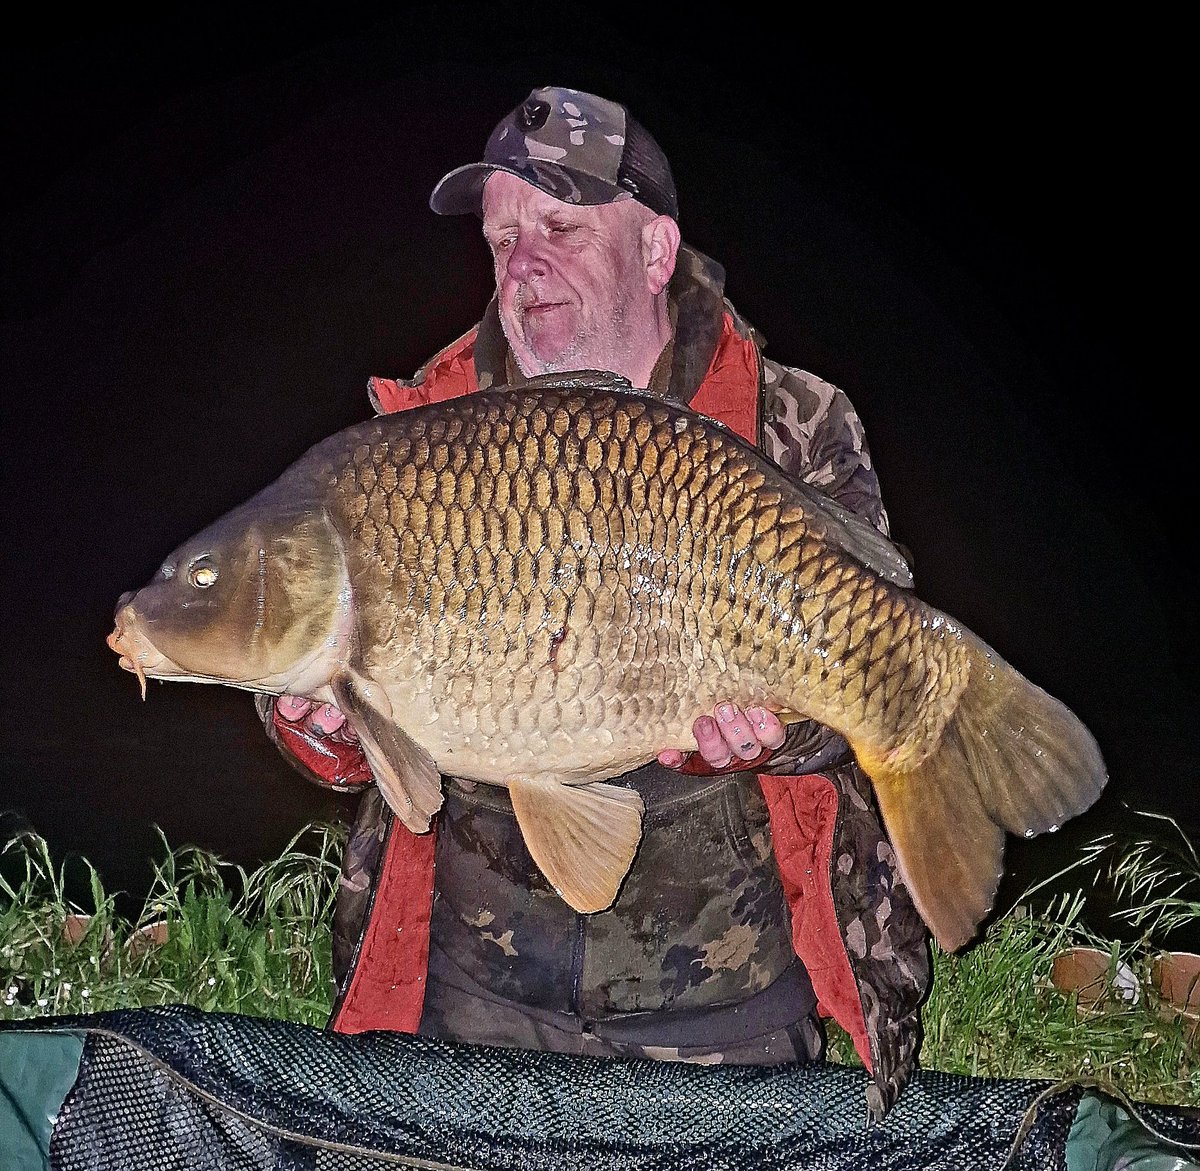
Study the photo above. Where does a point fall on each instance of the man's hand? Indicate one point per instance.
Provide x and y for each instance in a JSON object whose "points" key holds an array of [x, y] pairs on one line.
{"points": [[730, 736], [318, 741], [319, 719]]}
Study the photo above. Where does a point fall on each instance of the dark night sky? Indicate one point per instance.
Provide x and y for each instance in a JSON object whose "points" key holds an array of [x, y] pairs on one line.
{"points": [[214, 232]]}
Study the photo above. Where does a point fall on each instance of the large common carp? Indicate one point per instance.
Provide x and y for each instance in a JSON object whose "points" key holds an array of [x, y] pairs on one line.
{"points": [[542, 588]]}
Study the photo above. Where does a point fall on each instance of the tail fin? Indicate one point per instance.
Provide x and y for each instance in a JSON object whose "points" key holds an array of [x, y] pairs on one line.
{"points": [[1010, 758]]}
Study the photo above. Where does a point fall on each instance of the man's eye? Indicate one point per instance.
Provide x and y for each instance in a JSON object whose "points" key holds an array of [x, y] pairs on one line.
{"points": [[502, 243], [562, 229]]}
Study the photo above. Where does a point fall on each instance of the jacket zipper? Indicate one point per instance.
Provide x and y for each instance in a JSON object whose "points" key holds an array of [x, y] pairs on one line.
{"points": [[577, 950]]}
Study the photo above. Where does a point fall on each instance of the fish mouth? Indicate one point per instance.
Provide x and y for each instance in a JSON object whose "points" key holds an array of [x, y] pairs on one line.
{"points": [[137, 655]]}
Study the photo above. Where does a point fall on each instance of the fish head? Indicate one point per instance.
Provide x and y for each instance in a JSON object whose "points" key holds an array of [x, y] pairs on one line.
{"points": [[258, 600]]}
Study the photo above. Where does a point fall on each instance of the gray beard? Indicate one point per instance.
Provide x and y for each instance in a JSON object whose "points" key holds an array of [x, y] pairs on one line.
{"points": [[571, 357]]}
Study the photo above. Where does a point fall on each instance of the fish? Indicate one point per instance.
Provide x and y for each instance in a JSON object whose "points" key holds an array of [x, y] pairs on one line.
{"points": [[542, 587]]}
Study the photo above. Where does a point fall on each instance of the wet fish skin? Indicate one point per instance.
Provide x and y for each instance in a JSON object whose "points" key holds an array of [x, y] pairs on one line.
{"points": [[542, 588]]}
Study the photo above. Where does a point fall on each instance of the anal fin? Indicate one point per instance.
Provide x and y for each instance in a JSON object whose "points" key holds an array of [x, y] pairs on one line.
{"points": [[404, 771], [582, 837]]}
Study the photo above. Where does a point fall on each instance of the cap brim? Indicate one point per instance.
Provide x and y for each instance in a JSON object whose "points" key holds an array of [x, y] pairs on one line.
{"points": [[461, 191]]}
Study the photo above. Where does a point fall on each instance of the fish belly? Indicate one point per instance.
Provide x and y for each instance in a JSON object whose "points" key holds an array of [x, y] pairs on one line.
{"points": [[585, 702]]}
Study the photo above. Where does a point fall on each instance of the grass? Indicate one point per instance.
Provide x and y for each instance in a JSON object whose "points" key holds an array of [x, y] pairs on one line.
{"points": [[994, 1010], [1156, 875], [254, 942], [258, 942]]}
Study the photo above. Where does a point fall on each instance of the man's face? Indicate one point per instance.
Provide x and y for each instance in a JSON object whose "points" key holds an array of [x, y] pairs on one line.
{"points": [[571, 280]]}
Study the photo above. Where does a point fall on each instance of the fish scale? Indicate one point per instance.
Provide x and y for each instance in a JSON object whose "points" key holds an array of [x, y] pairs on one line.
{"points": [[542, 588], [615, 469], [629, 616]]}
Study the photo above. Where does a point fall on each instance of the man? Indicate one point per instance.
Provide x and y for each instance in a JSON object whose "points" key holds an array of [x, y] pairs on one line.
{"points": [[764, 893]]}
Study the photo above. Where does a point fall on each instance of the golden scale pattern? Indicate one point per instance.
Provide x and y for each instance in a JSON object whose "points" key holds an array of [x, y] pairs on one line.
{"points": [[549, 566]]}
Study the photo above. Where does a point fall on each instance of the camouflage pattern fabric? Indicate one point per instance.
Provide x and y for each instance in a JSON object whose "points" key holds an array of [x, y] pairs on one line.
{"points": [[886, 941], [575, 146], [356, 882], [811, 430], [476, 1016], [695, 954]]}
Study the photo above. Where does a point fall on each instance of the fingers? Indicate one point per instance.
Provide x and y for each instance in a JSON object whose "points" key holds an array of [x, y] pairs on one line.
{"points": [[768, 727], [730, 734], [712, 744], [293, 707], [737, 733], [325, 720], [322, 719]]}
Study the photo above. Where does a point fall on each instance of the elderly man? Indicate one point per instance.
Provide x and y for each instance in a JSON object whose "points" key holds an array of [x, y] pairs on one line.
{"points": [[764, 894]]}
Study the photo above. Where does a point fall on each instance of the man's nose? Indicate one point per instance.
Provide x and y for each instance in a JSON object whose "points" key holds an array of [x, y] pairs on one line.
{"points": [[526, 259]]}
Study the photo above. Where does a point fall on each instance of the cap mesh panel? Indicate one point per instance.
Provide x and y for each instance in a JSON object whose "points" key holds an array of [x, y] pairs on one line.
{"points": [[644, 163]]}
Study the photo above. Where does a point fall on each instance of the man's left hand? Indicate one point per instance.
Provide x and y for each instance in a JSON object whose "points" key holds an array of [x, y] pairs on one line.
{"points": [[730, 737]]}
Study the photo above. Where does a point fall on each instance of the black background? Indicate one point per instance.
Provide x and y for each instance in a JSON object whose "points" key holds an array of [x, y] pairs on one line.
{"points": [[216, 228]]}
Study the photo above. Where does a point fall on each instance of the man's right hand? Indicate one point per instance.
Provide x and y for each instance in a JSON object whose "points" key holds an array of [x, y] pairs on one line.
{"points": [[316, 738], [320, 719]]}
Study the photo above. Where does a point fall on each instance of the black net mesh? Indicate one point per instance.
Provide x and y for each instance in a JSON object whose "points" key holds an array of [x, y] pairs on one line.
{"points": [[175, 1088]]}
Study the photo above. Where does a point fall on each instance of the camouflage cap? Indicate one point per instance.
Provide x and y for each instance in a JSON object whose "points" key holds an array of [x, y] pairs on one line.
{"points": [[576, 146]]}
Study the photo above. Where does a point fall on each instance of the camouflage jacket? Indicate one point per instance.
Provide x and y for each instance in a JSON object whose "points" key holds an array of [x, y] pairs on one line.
{"points": [[793, 862]]}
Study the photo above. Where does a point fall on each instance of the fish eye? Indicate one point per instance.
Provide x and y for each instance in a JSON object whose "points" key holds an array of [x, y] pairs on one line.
{"points": [[203, 576]]}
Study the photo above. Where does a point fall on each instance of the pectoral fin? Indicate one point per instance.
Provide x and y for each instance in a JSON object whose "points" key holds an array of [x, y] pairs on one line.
{"points": [[582, 837], [404, 771]]}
